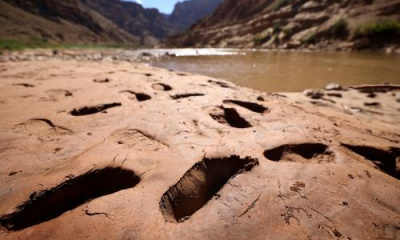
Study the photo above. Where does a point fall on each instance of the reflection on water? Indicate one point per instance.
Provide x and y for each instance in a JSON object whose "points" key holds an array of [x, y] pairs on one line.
{"points": [[286, 71]]}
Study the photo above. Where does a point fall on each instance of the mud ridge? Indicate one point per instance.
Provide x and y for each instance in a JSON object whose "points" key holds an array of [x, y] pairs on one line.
{"points": [[254, 107], [51, 203], [139, 96], [311, 152], [229, 116], [385, 160], [199, 184], [94, 109], [186, 95]]}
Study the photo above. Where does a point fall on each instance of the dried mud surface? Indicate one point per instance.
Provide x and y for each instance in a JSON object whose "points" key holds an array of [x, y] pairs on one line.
{"points": [[155, 154]]}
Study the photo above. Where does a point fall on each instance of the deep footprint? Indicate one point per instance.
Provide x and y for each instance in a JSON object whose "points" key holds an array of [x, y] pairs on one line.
{"points": [[229, 116], [309, 153], [94, 109], [186, 95], [385, 160], [255, 107], [161, 87], [200, 184], [139, 96], [51, 203]]}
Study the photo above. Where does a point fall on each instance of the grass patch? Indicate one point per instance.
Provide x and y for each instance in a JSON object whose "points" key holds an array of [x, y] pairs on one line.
{"points": [[16, 45], [387, 28]]}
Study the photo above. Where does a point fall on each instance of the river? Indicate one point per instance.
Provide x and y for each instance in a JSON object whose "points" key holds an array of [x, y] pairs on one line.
{"points": [[283, 71]]}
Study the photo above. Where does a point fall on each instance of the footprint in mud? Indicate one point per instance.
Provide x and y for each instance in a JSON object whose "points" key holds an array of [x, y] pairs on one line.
{"points": [[254, 107], [199, 184], [385, 160], [56, 94], [101, 80], [27, 85], [302, 153], [372, 104], [132, 138], [44, 129], [161, 87], [221, 84], [228, 116], [186, 95], [337, 95], [51, 203], [93, 109], [136, 96]]}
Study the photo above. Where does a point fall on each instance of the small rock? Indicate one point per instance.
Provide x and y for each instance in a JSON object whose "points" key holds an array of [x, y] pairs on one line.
{"points": [[333, 87]]}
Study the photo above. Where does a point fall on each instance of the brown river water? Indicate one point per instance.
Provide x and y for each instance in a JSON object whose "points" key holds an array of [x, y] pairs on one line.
{"points": [[284, 71]]}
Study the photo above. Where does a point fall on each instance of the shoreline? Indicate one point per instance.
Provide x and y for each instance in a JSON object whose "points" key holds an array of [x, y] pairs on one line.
{"points": [[293, 164]]}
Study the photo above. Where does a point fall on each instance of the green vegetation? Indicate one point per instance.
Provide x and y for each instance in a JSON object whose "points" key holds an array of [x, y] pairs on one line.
{"points": [[282, 3], [13, 45], [311, 39], [277, 28], [381, 29], [262, 38], [339, 29]]}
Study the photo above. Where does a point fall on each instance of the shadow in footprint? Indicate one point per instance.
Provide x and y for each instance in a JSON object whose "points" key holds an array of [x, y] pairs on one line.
{"points": [[229, 116], [101, 80], [219, 83], [199, 184], [254, 107], [51, 203], [388, 161], [27, 85], [304, 153], [161, 87], [186, 95], [138, 96], [93, 109]]}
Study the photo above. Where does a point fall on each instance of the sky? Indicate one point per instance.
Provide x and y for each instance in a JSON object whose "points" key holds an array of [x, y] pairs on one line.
{"points": [[165, 6]]}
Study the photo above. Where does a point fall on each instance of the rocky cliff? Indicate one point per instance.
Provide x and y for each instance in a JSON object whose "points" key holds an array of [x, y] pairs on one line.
{"points": [[189, 12], [328, 24]]}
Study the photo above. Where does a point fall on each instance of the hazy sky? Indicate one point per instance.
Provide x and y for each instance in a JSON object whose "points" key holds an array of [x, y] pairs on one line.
{"points": [[165, 6]]}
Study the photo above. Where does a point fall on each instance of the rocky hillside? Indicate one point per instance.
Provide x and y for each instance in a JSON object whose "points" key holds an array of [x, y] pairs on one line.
{"points": [[189, 12], [82, 21], [286, 24], [67, 21]]}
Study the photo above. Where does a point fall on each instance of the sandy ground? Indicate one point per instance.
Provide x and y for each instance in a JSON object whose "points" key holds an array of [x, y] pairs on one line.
{"points": [[119, 150]]}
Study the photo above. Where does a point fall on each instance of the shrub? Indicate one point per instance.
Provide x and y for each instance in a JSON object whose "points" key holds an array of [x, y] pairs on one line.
{"points": [[282, 3], [339, 29], [262, 38], [381, 29], [311, 39]]}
